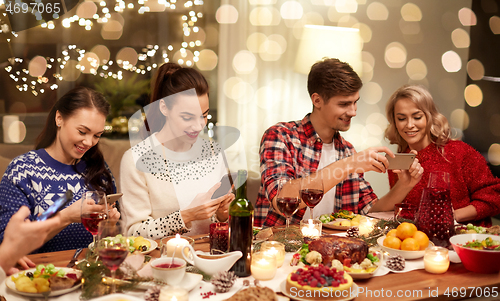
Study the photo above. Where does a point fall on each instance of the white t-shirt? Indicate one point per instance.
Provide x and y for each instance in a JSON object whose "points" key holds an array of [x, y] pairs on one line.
{"points": [[328, 156]]}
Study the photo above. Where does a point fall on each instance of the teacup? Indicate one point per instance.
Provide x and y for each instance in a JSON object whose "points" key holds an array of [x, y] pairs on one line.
{"points": [[166, 270]]}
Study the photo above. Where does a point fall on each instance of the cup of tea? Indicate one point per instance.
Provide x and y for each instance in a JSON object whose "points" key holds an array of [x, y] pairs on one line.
{"points": [[170, 270], [219, 238], [404, 210]]}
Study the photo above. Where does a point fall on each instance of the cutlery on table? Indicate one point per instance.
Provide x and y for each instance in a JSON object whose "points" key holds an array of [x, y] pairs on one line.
{"points": [[73, 260]]}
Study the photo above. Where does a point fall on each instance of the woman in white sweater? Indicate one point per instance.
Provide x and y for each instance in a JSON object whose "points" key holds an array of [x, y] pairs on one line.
{"points": [[169, 178]]}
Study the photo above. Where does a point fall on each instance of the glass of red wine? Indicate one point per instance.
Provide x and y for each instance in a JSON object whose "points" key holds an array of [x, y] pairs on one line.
{"points": [[94, 210], [112, 246], [311, 190], [288, 199]]}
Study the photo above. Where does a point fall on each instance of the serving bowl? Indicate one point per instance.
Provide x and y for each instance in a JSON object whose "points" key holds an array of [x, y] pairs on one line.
{"points": [[405, 254], [478, 261]]}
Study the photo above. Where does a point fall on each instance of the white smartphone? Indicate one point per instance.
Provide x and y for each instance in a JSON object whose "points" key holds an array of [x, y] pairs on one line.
{"points": [[401, 161], [112, 198]]}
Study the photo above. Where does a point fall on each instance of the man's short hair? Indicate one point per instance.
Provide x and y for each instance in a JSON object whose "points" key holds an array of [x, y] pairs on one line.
{"points": [[331, 77]]}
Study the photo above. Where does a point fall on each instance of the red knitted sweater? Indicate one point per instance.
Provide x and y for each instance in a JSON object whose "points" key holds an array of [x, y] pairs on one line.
{"points": [[471, 180]]}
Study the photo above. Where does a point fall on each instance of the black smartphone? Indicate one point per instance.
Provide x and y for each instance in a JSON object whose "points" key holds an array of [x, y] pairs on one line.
{"points": [[225, 186], [56, 206], [401, 161]]}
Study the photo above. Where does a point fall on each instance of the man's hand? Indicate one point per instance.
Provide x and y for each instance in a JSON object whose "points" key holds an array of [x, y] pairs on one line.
{"points": [[370, 159], [411, 176]]}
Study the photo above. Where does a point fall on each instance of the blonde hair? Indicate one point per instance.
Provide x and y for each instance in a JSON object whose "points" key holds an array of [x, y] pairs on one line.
{"points": [[437, 128]]}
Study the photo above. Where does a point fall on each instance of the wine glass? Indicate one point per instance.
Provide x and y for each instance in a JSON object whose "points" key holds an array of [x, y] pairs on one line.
{"points": [[91, 213], [112, 246], [311, 190], [288, 199]]}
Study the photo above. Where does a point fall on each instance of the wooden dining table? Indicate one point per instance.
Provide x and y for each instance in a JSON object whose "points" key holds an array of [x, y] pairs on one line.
{"points": [[457, 283]]}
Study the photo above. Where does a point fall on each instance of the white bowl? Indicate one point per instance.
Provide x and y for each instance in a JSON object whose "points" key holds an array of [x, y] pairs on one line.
{"points": [[405, 254], [171, 276]]}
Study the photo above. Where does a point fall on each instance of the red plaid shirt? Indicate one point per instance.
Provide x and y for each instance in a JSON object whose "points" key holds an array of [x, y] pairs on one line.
{"points": [[289, 149]]}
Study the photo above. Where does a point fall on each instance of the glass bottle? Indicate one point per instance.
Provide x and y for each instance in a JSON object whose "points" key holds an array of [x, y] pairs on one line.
{"points": [[241, 227], [435, 213]]}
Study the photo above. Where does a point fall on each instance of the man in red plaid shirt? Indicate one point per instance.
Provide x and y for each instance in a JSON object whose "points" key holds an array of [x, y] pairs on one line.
{"points": [[314, 146]]}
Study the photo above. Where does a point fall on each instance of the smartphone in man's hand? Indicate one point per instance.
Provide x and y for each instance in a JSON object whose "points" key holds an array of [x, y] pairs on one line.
{"points": [[59, 204]]}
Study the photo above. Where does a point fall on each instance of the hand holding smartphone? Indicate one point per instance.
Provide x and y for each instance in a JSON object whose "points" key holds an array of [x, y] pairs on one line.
{"points": [[111, 198], [59, 204], [225, 185], [401, 161]]}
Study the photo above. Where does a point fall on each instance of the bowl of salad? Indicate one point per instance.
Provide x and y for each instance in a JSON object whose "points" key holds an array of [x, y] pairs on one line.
{"points": [[480, 253]]}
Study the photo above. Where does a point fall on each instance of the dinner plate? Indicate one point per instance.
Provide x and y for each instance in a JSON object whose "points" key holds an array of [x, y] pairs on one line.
{"points": [[330, 225], [364, 275], [153, 243], [405, 254], [354, 290], [188, 283], [11, 285]]}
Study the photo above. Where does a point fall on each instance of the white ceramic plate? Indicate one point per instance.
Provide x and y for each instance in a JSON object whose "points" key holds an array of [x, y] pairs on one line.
{"points": [[405, 254], [11, 285], [353, 289], [330, 225], [153, 243], [117, 297], [188, 283], [364, 275]]}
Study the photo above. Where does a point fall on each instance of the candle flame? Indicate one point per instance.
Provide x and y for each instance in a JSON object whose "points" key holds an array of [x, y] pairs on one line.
{"points": [[311, 223], [177, 236], [439, 258], [173, 297]]}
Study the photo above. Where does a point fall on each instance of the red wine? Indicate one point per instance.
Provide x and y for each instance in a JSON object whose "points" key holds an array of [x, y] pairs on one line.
{"points": [[311, 196], [91, 221], [288, 206], [112, 258], [168, 265]]}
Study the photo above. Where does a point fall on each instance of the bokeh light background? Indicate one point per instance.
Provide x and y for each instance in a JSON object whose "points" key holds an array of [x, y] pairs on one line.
{"points": [[405, 42]]}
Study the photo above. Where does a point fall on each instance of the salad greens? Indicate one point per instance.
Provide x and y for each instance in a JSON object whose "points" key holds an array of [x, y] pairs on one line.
{"points": [[47, 271], [486, 244]]}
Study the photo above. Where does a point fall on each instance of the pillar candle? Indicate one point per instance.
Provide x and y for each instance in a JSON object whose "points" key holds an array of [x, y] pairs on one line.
{"points": [[176, 244]]}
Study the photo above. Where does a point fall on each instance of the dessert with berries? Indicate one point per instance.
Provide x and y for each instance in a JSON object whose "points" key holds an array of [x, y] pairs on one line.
{"points": [[319, 283]]}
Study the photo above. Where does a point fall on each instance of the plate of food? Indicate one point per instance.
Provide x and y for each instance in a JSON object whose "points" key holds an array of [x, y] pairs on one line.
{"points": [[344, 253], [138, 243], [338, 224], [471, 229], [34, 282]]}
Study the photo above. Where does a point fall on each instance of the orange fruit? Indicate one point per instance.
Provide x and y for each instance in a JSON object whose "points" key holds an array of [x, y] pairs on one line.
{"points": [[406, 230], [392, 242], [422, 239], [410, 244], [392, 233]]}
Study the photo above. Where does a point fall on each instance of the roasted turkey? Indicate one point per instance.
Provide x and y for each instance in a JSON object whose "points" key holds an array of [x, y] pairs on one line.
{"points": [[340, 248]]}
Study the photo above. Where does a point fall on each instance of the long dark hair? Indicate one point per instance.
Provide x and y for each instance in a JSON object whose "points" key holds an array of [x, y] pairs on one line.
{"points": [[96, 174], [170, 79]]}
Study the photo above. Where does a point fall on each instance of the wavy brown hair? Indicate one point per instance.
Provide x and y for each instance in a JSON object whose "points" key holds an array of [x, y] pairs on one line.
{"points": [[437, 128], [170, 79], [332, 77], [96, 175]]}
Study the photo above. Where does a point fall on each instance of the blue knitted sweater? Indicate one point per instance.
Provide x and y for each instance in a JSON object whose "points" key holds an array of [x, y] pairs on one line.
{"points": [[36, 180]]}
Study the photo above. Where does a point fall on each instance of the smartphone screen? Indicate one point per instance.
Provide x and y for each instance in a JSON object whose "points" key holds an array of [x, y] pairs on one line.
{"points": [[401, 161], [56, 206]]}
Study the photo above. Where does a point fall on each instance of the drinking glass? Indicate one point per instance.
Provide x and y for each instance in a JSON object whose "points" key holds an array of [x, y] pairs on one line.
{"points": [[287, 199], [91, 213], [112, 246], [311, 190]]}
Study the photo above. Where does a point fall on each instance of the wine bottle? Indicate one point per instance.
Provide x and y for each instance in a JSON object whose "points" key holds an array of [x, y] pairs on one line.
{"points": [[241, 226]]}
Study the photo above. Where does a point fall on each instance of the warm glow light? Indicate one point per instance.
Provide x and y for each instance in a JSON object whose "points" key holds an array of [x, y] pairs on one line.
{"points": [[255, 40], [411, 12], [494, 154], [37, 66], [459, 119], [473, 95], [311, 18], [371, 93], [86, 9], [70, 73], [346, 6], [244, 62], [364, 31], [291, 10], [395, 55], [226, 14], [322, 41], [467, 17], [495, 24], [126, 54], [207, 60], [416, 69], [460, 38], [377, 11], [262, 16], [475, 69], [451, 61], [112, 30], [102, 53], [409, 28]]}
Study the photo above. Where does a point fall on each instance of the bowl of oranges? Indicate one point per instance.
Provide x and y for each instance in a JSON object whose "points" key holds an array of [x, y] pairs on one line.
{"points": [[406, 241]]}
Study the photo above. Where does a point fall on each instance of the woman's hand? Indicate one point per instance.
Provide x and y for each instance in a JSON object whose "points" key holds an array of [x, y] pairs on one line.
{"points": [[202, 206], [223, 211], [412, 176]]}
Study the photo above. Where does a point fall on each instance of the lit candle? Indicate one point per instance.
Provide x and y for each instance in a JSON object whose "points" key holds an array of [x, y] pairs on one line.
{"points": [[311, 229], [170, 293], [176, 244], [276, 248], [365, 226], [263, 266], [436, 260]]}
